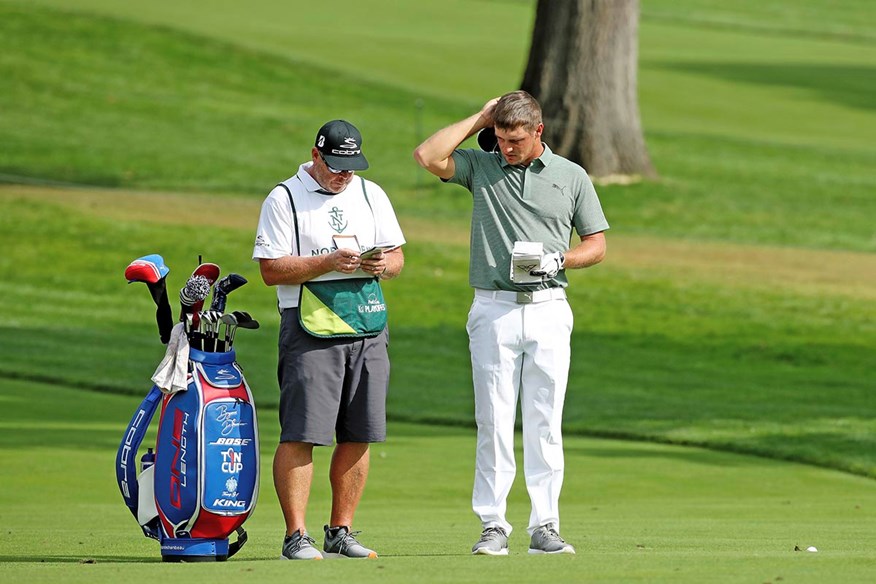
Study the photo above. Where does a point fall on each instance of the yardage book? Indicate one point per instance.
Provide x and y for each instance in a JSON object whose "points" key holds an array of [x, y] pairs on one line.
{"points": [[525, 257]]}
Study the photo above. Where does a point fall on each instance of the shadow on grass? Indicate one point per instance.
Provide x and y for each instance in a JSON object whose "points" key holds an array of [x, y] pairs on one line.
{"points": [[787, 398], [67, 559], [688, 455], [845, 85]]}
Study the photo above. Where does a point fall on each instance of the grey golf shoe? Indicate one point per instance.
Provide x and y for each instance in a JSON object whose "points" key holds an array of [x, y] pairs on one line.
{"points": [[546, 540], [493, 542], [342, 541], [300, 546]]}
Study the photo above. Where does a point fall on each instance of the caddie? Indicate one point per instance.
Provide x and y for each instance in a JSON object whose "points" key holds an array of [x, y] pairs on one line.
{"points": [[333, 369]]}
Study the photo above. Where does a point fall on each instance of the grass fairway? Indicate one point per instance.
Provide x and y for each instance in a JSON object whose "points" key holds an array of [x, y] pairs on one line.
{"points": [[735, 309], [636, 512]]}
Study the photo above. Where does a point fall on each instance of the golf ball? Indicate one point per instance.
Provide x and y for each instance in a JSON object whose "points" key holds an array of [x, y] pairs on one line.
{"points": [[811, 548]]}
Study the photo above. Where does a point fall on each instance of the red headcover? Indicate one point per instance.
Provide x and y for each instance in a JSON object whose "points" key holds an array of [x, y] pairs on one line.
{"points": [[147, 269]]}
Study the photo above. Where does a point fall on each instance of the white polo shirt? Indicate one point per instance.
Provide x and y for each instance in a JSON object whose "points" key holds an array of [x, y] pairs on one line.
{"points": [[320, 217]]}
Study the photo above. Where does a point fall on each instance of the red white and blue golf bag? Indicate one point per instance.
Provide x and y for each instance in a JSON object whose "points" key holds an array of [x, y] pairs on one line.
{"points": [[201, 483]]}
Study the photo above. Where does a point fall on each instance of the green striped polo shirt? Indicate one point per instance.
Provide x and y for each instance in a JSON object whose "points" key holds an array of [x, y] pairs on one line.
{"points": [[541, 202]]}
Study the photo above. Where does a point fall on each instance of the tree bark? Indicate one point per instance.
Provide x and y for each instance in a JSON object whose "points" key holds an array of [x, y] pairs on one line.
{"points": [[582, 68]]}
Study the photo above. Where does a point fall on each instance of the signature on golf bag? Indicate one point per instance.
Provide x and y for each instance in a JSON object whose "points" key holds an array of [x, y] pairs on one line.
{"points": [[203, 483]]}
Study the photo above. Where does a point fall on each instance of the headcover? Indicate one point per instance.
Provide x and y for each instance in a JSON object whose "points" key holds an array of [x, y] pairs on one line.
{"points": [[149, 269]]}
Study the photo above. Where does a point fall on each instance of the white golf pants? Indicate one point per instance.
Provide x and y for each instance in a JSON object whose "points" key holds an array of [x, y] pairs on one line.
{"points": [[518, 351]]}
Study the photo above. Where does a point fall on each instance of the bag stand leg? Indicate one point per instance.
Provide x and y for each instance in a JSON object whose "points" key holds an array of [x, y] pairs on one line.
{"points": [[179, 549]]}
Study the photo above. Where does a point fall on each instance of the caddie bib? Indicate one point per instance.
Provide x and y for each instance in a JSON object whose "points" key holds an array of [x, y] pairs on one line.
{"points": [[349, 307], [342, 308]]}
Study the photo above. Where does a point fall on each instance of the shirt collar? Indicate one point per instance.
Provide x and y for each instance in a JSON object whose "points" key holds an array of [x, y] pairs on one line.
{"points": [[309, 182], [544, 160], [547, 156]]}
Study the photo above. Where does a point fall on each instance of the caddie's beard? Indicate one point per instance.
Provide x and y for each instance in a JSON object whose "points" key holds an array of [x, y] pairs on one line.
{"points": [[336, 183]]}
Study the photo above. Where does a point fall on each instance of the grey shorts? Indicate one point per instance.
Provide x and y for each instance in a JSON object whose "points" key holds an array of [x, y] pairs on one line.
{"points": [[331, 388]]}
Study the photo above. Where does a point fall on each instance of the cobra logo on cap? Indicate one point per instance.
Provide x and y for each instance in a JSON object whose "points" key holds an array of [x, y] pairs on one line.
{"points": [[350, 148], [350, 143]]}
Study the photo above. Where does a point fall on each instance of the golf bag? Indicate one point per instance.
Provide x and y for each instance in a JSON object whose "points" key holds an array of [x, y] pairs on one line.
{"points": [[201, 483]]}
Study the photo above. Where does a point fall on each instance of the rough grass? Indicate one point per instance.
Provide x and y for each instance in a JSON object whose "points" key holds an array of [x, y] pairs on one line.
{"points": [[733, 346]]}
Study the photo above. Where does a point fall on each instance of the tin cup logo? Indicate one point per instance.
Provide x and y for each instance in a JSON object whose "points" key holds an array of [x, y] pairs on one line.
{"points": [[232, 461]]}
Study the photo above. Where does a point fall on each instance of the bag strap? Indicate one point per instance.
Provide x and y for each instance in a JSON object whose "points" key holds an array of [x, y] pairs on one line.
{"points": [[294, 216], [373, 216], [294, 226], [126, 458]]}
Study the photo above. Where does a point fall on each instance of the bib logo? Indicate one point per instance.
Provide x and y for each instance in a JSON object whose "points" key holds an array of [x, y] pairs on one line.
{"points": [[374, 305], [336, 220]]}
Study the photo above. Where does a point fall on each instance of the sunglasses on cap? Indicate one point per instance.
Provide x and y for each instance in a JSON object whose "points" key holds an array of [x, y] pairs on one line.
{"points": [[332, 170]]}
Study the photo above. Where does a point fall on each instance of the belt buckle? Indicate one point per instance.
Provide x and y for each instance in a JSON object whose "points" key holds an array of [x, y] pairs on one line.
{"points": [[524, 297]]}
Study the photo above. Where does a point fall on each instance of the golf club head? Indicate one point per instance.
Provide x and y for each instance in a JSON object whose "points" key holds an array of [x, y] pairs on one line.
{"points": [[224, 287], [191, 298], [209, 272], [229, 319], [244, 320], [209, 316], [196, 289], [148, 269], [152, 271], [487, 140], [230, 283]]}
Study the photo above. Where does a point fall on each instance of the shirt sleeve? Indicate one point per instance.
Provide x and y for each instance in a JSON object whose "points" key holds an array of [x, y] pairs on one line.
{"points": [[389, 231], [274, 233], [589, 217], [463, 161]]}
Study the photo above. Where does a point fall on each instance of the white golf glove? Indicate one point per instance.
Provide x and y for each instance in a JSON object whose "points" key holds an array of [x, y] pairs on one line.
{"points": [[551, 264]]}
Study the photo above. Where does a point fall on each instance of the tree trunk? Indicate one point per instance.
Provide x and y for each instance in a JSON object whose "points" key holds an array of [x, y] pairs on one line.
{"points": [[582, 69]]}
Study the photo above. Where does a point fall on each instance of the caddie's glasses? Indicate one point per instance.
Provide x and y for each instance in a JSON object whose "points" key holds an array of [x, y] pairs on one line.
{"points": [[332, 170]]}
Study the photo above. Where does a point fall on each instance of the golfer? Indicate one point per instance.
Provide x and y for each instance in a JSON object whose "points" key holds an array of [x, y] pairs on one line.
{"points": [[333, 365], [528, 198]]}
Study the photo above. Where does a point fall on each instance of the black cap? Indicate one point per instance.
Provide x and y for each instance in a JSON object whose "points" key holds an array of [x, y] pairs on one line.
{"points": [[487, 140], [340, 143]]}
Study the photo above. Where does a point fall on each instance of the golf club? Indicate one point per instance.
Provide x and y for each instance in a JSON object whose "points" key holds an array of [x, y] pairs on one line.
{"points": [[210, 273], [152, 271], [224, 287]]}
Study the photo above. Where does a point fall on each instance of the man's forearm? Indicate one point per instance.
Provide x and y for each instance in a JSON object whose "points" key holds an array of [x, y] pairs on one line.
{"points": [[292, 270], [395, 261], [442, 143], [589, 252]]}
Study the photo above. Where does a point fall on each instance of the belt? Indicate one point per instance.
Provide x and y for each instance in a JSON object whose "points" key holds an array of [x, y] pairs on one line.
{"points": [[527, 297]]}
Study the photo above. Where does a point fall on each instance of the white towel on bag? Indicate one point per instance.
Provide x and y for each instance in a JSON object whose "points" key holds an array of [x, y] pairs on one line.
{"points": [[170, 376]]}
